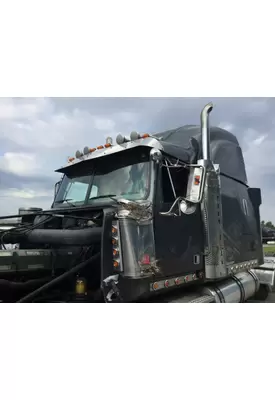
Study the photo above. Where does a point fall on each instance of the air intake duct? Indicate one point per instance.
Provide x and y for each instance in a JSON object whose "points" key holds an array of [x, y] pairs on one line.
{"points": [[28, 214], [65, 237]]}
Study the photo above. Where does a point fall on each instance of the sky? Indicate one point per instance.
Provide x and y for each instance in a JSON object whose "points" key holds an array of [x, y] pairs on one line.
{"points": [[37, 135]]}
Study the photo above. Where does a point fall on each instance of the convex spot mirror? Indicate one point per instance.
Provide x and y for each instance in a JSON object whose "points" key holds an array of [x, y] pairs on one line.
{"points": [[187, 208], [179, 207]]}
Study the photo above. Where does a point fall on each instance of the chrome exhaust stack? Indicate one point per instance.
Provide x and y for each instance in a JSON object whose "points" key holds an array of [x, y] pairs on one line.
{"points": [[211, 207], [205, 132]]}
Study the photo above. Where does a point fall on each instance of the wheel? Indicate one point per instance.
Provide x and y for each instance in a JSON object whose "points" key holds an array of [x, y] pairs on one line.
{"points": [[262, 293]]}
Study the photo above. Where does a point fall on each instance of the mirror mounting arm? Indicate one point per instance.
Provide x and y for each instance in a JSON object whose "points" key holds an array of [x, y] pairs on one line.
{"points": [[171, 212]]}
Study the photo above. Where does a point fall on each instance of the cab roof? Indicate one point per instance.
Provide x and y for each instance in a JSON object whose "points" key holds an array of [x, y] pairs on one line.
{"points": [[184, 143]]}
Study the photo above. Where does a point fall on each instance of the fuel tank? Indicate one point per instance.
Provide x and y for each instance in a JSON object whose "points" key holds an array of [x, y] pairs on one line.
{"points": [[236, 289]]}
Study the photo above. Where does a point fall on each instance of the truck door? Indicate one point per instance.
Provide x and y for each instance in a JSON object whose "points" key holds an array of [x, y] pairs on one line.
{"points": [[179, 240]]}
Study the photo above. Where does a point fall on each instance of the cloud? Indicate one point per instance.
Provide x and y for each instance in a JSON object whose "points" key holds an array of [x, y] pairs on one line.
{"points": [[11, 110], [259, 140], [38, 134], [28, 193], [19, 163]]}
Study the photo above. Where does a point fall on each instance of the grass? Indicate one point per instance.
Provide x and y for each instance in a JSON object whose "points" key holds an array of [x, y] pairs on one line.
{"points": [[269, 250]]}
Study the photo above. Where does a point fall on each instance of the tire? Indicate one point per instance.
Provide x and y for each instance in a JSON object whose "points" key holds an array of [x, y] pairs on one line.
{"points": [[262, 293]]}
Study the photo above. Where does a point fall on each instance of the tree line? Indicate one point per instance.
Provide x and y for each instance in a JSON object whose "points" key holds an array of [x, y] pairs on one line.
{"points": [[268, 224]]}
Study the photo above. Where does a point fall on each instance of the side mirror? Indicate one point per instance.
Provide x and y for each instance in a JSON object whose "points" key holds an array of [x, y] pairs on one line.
{"points": [[194, 193], [196, 181], [56, 188]]}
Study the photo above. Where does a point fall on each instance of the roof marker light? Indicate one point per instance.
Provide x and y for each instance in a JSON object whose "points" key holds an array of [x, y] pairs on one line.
{"points": [[120, 139], [107, 145], [86, 150], [78, 154], [100, 147], [134, 136], [146, 135], [70, 159], [109, 140]]}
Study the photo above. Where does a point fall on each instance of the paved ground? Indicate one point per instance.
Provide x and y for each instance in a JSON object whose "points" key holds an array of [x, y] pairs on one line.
{"points": [[271, 299]]}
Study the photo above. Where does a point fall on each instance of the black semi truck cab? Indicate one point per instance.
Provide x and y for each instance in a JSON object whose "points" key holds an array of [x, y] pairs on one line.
{"points": [[149, 216]]}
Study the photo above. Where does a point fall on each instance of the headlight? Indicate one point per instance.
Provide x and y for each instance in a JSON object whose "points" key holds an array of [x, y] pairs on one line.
{"points": [[137, 247]]}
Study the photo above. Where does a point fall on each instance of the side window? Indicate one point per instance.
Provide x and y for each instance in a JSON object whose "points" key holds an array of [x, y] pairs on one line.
{"points": [[94, 191], [180, 180]]}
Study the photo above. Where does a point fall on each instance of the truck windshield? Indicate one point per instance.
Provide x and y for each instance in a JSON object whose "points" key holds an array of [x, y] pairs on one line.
{"points": [[131, 182]]}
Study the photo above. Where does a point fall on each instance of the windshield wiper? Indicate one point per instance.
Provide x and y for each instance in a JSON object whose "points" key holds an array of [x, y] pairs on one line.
{"points": [[68, 201], [111, 196]]}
